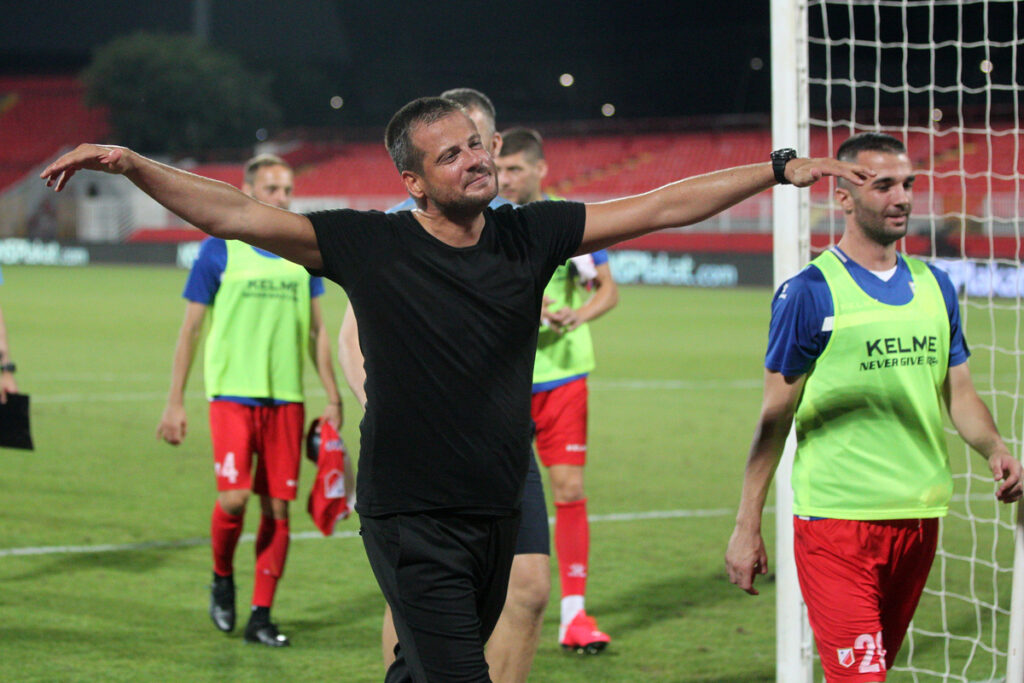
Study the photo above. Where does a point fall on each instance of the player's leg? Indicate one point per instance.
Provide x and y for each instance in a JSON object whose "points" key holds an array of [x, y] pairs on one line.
{"points": [[231, 434], [445, 577], [512, 646], [561, 419], [279, 443], [913, 551], [838, 568]]}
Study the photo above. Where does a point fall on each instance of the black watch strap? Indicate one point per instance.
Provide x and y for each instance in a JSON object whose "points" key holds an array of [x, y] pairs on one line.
{"points": [[780, 158], [8, 367]]}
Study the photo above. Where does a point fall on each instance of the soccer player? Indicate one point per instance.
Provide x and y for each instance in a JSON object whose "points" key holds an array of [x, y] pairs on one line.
{"points": [[265, 316], [448, 299], [565, 355], [864, 348], [8, 385], [513, 644]]}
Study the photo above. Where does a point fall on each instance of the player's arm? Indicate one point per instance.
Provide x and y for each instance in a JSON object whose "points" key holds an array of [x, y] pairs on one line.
{"points": [[214, 207], [173, 424], [698, 198], [746, 555], [320, 350], [8, 385], [973, 421], [604, 299], [350, 355]]}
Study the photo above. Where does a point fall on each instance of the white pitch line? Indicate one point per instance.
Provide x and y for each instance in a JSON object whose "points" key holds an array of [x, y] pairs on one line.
{"points": [[596, 384], [315, 535]]}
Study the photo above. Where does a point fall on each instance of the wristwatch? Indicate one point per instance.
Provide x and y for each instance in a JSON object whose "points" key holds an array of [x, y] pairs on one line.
{"points": [[780, 158], [8, 367]]}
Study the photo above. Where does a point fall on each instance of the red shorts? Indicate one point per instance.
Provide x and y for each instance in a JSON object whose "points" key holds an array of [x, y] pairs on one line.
{"points": [[861, 581], [274, 433], [561, 419]]}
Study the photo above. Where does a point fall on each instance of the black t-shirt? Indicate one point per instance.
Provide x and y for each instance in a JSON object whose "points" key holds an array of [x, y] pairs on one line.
{"points": [[449, 337]]}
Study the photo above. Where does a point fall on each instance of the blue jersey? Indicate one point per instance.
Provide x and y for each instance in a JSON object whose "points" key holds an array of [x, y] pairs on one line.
{"points": [[204, 281], [410, 204], [204, 278], [802, 313]]}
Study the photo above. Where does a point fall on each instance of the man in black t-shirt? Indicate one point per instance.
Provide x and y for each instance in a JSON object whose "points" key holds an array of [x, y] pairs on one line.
{"points": [[447, 298]]}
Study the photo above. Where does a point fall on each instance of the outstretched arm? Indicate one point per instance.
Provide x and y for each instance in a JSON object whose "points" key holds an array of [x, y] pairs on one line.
{"points": [[695, 199], [214, 207], [973, 420], [746, 555]]}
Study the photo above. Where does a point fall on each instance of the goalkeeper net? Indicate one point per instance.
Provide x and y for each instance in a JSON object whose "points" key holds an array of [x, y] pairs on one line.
{"points": [[945, 77]]}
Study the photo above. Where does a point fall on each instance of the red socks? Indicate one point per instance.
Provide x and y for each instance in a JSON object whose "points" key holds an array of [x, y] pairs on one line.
{"points": [[572, 543], [271, 551], [224, 532]]}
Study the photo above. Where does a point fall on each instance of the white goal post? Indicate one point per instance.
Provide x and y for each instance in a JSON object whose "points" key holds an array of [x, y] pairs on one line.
{"points": [[945, 76]]}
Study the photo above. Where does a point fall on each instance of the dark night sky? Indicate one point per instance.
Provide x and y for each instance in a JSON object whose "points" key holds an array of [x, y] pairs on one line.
{"points": [[649, 59]]}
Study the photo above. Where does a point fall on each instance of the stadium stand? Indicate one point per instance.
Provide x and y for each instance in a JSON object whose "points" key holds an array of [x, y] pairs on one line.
{"points": [[40, 115]]}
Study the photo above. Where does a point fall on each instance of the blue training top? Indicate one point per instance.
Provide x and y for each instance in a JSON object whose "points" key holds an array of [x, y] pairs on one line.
{"points": [[803, 303], [204, 281]]}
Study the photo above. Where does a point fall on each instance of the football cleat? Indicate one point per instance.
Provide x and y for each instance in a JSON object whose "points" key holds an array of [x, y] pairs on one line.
{"points": [[265, 633], [222, 602], [582, 636]]}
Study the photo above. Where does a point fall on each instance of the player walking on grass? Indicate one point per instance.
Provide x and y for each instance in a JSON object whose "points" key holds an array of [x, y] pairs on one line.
{"points": [[447, 298], [865, 345], [265, 316], [565, 356]]}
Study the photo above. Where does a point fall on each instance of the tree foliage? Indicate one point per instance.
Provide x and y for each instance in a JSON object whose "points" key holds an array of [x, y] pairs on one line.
{"points": [[174, 94]]}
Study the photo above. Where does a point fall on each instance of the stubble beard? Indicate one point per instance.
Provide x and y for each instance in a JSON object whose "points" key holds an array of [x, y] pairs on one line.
{"points": [[873, 225], [467, 206]]}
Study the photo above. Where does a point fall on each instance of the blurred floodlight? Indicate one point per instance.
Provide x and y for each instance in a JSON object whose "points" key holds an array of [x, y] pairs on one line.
{"points": [[566, 80], [936, 115], [337, 102], [756, 63], [986, 66], [261, 134], [608, 109]]}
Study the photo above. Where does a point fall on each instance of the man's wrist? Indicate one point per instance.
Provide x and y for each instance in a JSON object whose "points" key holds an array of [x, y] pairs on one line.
{"points": [[780, 158], [8, 367]]}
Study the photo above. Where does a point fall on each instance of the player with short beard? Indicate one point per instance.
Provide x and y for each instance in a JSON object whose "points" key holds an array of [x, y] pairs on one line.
{"points": [[864, 348]]}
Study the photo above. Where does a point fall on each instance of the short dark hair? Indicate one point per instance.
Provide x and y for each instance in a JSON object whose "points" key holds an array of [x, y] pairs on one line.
{"points": [[527, 140], [398, 135], [471, 99], [869, 142], [261, 161]]}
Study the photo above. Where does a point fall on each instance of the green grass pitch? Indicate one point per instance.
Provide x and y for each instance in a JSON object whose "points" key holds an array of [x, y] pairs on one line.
{"points": [[673, 403]]}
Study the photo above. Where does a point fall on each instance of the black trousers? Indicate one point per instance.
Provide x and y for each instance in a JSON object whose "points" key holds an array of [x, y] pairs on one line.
{"points": [[445, 576]]}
